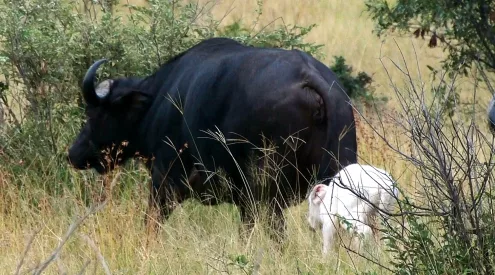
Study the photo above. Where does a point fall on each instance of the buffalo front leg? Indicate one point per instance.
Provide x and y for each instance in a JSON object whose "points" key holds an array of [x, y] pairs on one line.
{"points": [[161, 201], [170, 185], [160, 205]]}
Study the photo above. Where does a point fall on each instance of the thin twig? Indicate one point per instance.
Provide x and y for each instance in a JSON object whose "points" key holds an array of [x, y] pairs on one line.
{"points": [[26, 250], [86, 264], [68, 234], [98, 253]]}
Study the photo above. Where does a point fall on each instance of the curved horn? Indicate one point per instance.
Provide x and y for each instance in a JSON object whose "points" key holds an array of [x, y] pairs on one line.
{"points": [[88, 85]]}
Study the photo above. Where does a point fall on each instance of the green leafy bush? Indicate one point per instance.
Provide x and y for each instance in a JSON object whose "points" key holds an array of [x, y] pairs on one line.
{"points": [[463, 28], [47, 46], [445, 220], [287, 37], [357, 87]]}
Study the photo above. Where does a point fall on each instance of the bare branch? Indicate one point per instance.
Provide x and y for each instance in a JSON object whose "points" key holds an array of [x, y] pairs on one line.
{"points": [[72, 228], [26, 250]]}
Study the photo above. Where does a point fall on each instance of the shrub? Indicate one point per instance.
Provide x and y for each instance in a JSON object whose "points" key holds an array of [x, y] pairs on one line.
{"points": [[49, 45], [357, 87], [445, 225], [287, 37]]}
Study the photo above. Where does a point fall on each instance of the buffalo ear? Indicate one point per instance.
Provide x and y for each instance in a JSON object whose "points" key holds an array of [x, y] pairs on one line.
{"points": [[132, 102]]}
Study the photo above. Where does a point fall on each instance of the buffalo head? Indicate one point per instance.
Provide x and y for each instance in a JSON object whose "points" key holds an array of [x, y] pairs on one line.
{"points": [[491, 114], [113, 109]]}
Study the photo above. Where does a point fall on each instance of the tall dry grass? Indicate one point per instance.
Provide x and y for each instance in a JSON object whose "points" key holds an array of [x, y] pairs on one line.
{"points": [[196, 239]]}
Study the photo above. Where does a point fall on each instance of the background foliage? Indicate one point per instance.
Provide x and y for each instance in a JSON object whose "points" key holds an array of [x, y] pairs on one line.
{"points": [[47, 47], [462, 27]]}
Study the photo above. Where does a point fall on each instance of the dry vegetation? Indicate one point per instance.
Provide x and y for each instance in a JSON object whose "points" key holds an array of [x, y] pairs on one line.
{"points": [[200, 239]]}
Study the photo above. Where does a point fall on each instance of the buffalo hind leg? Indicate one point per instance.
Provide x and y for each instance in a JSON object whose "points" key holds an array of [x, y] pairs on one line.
{"points": [[247, 216], [278, 225]]}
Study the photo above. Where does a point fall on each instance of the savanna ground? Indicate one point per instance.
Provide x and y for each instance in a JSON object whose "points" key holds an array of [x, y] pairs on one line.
{"points": [[199, 239]]}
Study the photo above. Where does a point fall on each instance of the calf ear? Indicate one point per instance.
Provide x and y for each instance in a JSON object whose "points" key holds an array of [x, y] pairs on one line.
{"points": [[132, 102], [320, 192]]}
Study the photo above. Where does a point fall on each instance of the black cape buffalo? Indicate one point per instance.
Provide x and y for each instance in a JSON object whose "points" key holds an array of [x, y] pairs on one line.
{"points": [[491, 114], [238, 93]]}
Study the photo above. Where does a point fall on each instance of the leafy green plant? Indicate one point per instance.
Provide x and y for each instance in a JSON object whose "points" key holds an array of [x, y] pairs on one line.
{"points": [[462, 27], [357, 87], [47, 46], [445, 223], [285, 36]]}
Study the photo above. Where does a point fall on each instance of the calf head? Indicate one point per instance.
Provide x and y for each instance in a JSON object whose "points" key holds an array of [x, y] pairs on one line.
{"points": [[113, 109]]}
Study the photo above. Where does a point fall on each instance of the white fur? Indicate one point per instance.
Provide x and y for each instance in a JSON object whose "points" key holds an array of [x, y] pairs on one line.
{"points": [[325, 201]]}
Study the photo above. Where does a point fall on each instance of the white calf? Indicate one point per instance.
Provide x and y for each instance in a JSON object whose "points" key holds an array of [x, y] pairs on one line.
{"points": [[374, 184]]}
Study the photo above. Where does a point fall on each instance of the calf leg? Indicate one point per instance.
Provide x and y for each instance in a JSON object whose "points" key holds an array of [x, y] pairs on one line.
{"points": [[360, 217], [327, 233]]}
